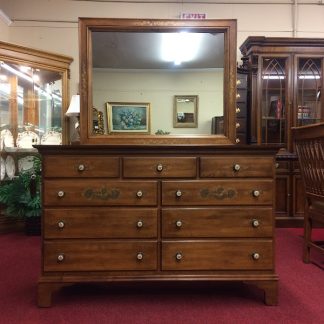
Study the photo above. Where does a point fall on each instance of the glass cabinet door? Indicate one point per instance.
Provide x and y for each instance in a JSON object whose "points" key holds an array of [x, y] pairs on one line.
{"points": [[309, 88], [273, 100], [30, 105]]}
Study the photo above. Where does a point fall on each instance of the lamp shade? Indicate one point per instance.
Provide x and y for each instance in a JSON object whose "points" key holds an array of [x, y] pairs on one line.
{"points": [[74, 108]]}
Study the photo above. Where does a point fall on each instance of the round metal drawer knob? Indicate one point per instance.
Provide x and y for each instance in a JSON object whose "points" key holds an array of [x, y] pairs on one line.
{"points": [[178, 193], [139, 224], [255, 223], [238, 82], [140, 256], [60, 224], [178, 256], [159, 167], [178, 223], [60, 193], [255, 256], [238, 95], [237, 125], [277, 165], [238, 110], [60, 257], [81, 167], [237, 141], [139, 194], [256, 193], [236, 167]]}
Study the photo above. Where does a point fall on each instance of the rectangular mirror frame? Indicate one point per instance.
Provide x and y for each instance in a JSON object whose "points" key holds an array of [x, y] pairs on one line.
{"points": [[87, 25]]}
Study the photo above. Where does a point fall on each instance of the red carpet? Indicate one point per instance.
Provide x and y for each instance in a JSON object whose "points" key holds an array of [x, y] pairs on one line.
{"points": [[301, 293]]}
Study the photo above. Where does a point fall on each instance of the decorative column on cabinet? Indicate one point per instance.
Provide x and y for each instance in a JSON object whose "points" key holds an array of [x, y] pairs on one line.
{"points": [[285, 84]]}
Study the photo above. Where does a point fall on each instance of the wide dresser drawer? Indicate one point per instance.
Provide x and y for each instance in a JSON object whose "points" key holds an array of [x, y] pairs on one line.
{"points": [[62, 192], [96, 255], [217, 222], [218, 192], [218, 255], [159, 167], [101, 222], [236, 166], [81, 166]]}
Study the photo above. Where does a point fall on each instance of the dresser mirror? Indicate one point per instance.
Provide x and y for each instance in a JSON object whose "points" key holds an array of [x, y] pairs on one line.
{"points": [[155, 61]]}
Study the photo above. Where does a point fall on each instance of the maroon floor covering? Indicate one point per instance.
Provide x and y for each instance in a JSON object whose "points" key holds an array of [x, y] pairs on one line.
{"points": [[301, 293]]}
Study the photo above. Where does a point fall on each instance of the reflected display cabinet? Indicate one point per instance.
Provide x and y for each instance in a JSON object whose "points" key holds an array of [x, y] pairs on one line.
{"points": [[285, 86], [33, 100]]}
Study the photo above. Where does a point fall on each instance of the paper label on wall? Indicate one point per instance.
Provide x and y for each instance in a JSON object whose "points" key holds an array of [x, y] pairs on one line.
{"points": [[189, 15]]}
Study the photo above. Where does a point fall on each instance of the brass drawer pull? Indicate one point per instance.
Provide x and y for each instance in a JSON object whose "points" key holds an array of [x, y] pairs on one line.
{"points": [[237, 141], [140, 256], [139, 194], [255, 256], [139, 224], [61, 193], [178, 193], [178, 223], [178, 256], [81, 167], [159, 167], [256, 193], [60, 257], [277, 165], [60, 224], [255, 223], [238, 95], [236, 167], [238, 110], [237, 125], [238, 82]]}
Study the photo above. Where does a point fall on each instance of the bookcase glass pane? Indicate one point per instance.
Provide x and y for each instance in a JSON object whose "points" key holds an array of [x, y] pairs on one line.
{"points": [[273, 105], [309, 80]]}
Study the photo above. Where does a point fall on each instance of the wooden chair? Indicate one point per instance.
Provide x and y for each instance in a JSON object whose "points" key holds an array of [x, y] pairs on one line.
{"points": [[309, 142]]}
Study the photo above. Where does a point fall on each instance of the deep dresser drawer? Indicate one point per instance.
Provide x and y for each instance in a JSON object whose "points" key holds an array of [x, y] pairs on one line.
{"points": [[96, 255], [218, 255], [217, 222], [100, 223], [218, 192], [71, 192], [80, 166], [163, 167], [236, 166]]}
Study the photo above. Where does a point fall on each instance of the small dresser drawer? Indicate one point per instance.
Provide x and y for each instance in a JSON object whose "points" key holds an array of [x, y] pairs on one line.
{"points": [[218, 255], [95, 255], [217, 222], [236, 166], [98, 192], [100, 223], [164, 167], [80, 166], [218, 192]]}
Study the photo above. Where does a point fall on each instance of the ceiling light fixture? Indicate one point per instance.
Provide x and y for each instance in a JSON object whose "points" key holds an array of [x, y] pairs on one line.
{"points": [[180, 47]]}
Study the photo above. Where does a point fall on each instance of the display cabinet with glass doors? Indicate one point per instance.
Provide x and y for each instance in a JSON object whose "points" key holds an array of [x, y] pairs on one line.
{"points": [[285, 86], [33, 99]]}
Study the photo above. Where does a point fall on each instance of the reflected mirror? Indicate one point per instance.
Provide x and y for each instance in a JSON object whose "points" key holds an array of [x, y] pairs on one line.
{"points": [[185, 114], [165, 63]]}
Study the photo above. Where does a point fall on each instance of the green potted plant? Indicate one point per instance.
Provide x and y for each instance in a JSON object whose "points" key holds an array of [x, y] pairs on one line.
{"points": [[21, 197]]}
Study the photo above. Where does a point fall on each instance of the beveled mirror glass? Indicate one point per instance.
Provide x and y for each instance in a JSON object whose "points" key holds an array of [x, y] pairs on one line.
{"points": [[152, 61]]}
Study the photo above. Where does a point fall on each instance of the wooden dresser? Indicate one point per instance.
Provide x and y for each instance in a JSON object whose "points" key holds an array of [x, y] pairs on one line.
{"points": [[148, 213]]}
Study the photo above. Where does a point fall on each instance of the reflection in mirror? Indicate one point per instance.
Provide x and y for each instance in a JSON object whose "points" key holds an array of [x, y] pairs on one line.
{"points": [[98, 123], [152, 61], [154, 67], [185, 112]]}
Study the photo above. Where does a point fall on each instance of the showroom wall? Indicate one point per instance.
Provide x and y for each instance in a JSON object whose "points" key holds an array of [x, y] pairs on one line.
{"points": [[52, 25]]}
